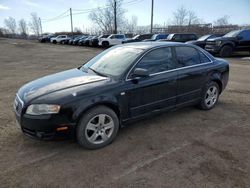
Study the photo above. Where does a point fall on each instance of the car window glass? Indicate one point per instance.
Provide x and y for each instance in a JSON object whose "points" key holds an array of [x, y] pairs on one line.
{"points": [[203, 58], [245, 35], [177, 37], [157, 60], [187, 56]]}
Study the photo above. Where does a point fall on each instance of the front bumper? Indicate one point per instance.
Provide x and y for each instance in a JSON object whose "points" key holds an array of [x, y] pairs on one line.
{"points": [[45, 127], [212, 48]]}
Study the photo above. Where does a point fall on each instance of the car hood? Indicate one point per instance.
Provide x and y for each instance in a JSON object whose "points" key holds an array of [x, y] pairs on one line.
{"points": [[56, 82], [222, 39], [192, 41]]}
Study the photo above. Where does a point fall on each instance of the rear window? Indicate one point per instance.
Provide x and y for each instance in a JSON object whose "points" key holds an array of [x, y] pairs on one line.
{"points": [[187, 56]]}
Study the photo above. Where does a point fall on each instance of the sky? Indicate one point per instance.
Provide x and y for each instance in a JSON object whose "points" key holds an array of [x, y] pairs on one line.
{"points": [[208, 10]]}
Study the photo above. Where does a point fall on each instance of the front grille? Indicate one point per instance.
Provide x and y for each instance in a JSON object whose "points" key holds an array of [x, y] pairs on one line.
{"points": [[210, 43], [18, 105]]}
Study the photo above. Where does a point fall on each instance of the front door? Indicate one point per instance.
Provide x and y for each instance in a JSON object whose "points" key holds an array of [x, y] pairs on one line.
{"points": [[156, 91]]}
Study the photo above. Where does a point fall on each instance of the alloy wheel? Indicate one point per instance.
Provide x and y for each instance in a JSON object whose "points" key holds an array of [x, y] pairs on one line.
{"points": [[211, 96], [99, 129]]}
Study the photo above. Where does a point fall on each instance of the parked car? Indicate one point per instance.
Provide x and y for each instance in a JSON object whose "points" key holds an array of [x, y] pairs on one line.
{"points": [[121, 84], [138, 38], [156, 37], [94, 41], [66, 41], [45, 38], [113, 39], [238, 40], [76, 40], [181, 37], [85, 41], [70, 41], [58, 39], [201, 42]]}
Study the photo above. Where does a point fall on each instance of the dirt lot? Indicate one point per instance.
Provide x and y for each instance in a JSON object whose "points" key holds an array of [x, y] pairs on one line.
{"points": [[186, 148]]}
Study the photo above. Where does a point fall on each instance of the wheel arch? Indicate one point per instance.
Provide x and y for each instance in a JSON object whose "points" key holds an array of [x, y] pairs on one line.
{"points": [[110, 104], [216, 77]]}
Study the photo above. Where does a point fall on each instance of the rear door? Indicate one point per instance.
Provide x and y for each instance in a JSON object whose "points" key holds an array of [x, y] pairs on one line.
{"points": [[244, 40], [157, 91], [192, 74]]}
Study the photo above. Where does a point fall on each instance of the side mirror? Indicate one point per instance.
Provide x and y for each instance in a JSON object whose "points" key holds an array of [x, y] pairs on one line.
{"points": [[140, 73]]}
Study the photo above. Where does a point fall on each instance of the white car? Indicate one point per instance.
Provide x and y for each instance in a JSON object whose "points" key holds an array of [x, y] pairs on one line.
{"points": [[113, 39], [58, 39]]}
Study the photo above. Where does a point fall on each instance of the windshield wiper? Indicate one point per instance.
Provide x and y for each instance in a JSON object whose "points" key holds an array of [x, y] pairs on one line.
{"points": [[101, 74]]}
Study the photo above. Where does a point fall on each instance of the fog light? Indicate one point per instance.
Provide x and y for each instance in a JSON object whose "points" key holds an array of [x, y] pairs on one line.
{"points": [[62, 128]]}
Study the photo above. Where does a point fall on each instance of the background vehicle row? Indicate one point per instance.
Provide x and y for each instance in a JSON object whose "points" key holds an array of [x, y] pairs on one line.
{"points": [[223, 45]]}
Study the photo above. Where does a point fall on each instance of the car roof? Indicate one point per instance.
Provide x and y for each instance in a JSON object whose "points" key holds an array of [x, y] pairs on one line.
{"points": [[148, 45]]}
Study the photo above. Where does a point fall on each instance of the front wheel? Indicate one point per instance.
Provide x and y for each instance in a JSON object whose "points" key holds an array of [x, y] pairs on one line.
{"points": [[226, 51], [97, 128], [210, 96]]}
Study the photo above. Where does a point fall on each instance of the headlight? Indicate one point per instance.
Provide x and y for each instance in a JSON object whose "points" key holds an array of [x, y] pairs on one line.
{"points": [[39, 109], [217, 43]]}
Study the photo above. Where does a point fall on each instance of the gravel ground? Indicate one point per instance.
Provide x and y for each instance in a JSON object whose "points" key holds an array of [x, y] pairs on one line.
{"points": [[185, 148]]}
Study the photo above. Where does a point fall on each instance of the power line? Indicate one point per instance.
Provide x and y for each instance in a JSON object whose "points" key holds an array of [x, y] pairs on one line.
{"points": [[85, 11], [56, 17]]}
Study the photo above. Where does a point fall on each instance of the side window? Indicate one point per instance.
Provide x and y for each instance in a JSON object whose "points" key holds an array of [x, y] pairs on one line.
{"points": [[187, 56], [112, 37], [177, 37], [203, 58], [158, 60], [245, 35]]}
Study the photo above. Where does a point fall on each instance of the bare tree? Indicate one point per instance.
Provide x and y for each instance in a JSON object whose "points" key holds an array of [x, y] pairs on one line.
{"points": [[222, 21], [10, 23], [130, 25], [180, 16], [23, 28], [105, 17], [35, 25], [192, 18]]}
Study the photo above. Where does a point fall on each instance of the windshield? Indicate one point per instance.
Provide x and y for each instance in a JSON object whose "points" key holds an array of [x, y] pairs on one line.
{"points": [[114, 61], [154, 36], [202, 38], [232, 33], [136, 36], [170, 36]]}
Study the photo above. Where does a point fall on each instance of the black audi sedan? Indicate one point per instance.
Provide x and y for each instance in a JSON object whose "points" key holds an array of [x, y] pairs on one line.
{"points": [[122, 84]]}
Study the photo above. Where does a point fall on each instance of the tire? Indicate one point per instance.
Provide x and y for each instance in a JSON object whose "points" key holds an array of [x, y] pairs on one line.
{"points": [[97, 128], [226, 51], [209, 101], [54, 42], [105, 44]]}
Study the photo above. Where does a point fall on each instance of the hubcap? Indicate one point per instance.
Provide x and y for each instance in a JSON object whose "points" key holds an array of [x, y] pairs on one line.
{"points": [[211, 96], [99, 129]]}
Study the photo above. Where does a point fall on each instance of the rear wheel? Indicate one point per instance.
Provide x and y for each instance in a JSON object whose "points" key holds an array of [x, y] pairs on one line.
{"points": [[105, 44], [210, 96], [97, 128], [226, 51]]}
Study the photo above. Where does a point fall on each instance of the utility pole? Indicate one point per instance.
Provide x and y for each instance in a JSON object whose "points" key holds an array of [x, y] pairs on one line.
{"points": [[152, 16], [41, 29], [71, 22], [115, 12]]}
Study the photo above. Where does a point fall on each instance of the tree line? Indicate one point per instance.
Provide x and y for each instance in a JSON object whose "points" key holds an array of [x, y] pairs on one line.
{"points": [[22, 27]]}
